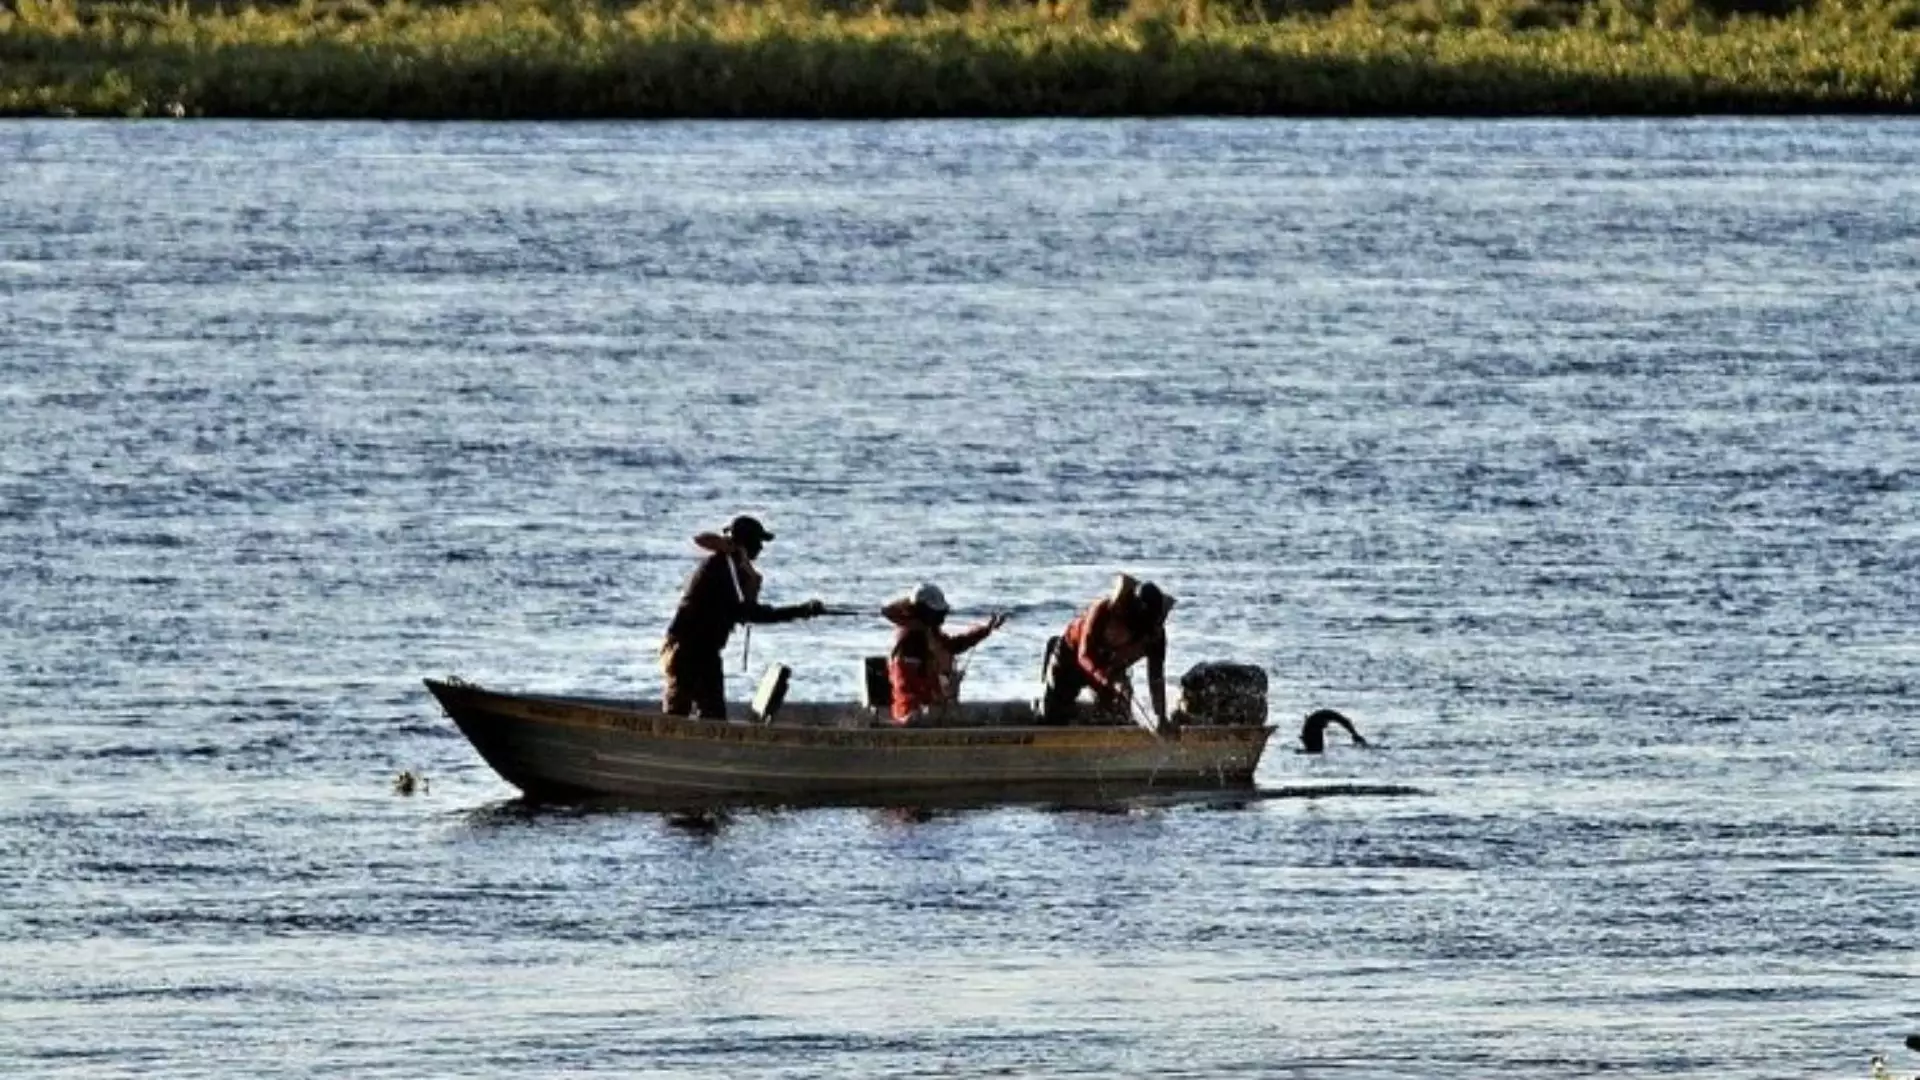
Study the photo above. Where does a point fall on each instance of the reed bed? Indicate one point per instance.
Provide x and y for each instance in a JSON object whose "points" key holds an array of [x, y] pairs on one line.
{"points": [[500, 59]]}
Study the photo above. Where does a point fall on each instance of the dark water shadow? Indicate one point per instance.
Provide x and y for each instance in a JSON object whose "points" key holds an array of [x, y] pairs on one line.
{"points": [[1332, 791], [711, 816]]}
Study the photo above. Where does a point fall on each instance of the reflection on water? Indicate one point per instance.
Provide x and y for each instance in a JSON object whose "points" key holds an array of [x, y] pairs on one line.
{"points": [[699, 822], [922, 805]]}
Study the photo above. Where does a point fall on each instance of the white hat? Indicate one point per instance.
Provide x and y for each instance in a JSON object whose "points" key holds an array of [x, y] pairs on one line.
{"points": [[929, 597]]}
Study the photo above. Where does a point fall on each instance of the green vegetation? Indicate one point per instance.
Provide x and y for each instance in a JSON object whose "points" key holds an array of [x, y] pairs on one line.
{"points": [[897, 58]]}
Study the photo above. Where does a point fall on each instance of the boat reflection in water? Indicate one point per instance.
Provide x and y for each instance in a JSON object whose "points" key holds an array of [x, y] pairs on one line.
{"points": [[711, 817]]}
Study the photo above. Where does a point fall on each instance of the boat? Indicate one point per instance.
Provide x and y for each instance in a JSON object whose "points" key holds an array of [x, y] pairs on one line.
{"points": [[566, 748]]}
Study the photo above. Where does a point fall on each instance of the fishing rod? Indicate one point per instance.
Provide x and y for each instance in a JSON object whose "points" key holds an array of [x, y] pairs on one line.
{"points": [[826, 611], [843, 611], [1143, 715]]}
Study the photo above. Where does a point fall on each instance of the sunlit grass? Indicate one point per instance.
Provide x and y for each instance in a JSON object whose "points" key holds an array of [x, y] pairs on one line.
{"points": [[808, 58]]}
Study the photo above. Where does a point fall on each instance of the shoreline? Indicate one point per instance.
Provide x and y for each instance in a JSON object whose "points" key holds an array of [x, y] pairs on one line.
{"points": [[574, 60]]}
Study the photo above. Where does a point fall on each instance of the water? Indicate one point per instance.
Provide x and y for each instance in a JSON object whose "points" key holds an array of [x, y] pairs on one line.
{"points": [[1575, 460]]}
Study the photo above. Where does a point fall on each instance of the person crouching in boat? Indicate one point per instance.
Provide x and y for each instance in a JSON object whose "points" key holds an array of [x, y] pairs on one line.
{"points": [[723, 592], [1101, 644], [921, 665]]}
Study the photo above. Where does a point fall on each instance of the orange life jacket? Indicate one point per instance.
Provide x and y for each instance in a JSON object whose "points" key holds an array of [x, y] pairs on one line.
{"points": [[1117, 649], [922, 680]]}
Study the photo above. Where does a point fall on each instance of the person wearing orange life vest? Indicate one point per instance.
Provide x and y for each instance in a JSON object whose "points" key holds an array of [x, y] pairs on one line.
{"points": [[920, 666], [1099, 646], [723, 592]]}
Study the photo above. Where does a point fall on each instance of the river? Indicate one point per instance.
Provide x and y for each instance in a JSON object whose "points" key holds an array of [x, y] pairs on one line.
{"points": [[1575, 460]]}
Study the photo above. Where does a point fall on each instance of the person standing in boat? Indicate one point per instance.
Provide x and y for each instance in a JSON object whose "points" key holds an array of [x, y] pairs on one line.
{"points": [[722, 593], [1102, 643], [921, 666]]}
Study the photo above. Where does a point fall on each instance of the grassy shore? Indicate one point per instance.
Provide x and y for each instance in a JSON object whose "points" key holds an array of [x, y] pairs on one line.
{"points": [[902, 58]]}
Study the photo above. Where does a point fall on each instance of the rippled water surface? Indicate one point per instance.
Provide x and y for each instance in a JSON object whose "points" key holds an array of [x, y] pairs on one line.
{"points": [[1577, 461]]}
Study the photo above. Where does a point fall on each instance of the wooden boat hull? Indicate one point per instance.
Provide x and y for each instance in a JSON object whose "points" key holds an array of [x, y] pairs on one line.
{"points": [[554, 748]]}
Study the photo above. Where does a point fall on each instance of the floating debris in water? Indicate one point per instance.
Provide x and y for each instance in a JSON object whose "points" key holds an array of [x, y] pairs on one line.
{"points": [[1877, 1068], [1313, 730], [409, 782], [700, 822]]}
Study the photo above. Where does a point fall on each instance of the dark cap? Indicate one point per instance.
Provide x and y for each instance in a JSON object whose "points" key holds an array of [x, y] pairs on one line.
{"points": [[748, 530], [1150, 607], [1151, 598]]}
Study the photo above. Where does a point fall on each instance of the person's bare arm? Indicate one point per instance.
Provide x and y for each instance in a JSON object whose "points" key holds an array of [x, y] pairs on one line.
{"points": [[1157, 675], [1103, 684], [974, 635]]}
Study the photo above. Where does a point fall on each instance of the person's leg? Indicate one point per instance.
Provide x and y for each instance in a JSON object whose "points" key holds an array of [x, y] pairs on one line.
{"points": [[676, 699], [709, 689], [1063, 685]]}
